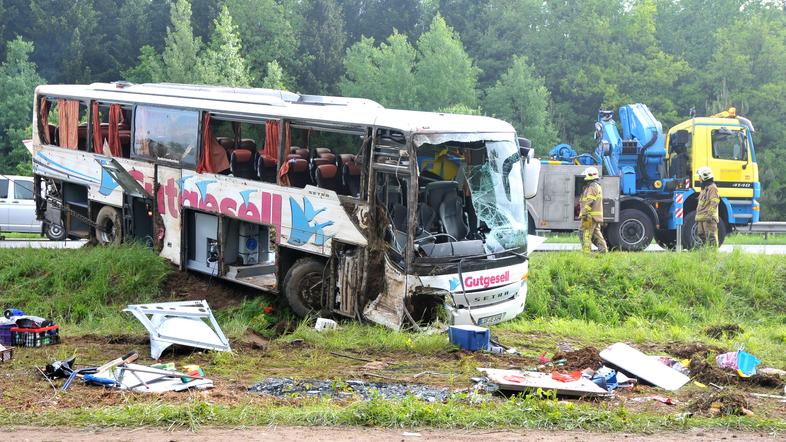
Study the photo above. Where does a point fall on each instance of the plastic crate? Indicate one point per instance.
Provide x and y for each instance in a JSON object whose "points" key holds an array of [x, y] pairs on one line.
{"points": [[6, 337], [36, 337], [6, 354], [469, 337]]}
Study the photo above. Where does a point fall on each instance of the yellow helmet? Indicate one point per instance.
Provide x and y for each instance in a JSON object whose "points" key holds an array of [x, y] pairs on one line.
{"points": [[591, 173]]}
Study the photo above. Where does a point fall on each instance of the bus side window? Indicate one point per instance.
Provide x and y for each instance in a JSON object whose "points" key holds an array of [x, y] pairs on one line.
{"points": [[67, 123], [166, 134]]}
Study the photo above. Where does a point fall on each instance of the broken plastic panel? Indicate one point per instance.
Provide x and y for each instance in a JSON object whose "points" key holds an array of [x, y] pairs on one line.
{"points": [[181, 323]]}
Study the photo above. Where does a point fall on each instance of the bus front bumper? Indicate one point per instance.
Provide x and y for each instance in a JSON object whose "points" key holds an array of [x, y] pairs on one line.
{"points": [[489, 314]]}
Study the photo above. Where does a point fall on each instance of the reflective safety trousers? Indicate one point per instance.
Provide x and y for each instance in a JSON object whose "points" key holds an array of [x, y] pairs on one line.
{"points": [[707, 209], [592, 202]]}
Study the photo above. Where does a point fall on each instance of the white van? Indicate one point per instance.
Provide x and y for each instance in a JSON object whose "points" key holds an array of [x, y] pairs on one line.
{"points": [[17, 206]]}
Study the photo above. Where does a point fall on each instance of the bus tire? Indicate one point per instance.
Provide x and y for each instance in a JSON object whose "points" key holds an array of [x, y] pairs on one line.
{"points": [[55, 232], [303, 286], [690, 236], [633, 232], [109, 226]]}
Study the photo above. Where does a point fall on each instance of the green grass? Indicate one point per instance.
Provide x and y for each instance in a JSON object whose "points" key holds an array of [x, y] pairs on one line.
{"points": [[517, 412], [18, 235], [649, 297], [87, 286]]}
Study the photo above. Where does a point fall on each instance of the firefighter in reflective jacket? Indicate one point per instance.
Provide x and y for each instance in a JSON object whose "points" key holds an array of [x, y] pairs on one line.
{"points": [[591, 214], [707, 210]]}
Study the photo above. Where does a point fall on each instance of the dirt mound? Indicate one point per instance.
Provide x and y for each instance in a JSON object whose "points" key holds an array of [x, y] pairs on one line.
{"points": [[721, 403], [723, 331], [687, 350], [185, 286], [587, 357], [706, 372]]}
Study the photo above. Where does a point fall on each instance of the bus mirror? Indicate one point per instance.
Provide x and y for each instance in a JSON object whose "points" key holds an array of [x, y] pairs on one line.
{"points": [[525, 143]]}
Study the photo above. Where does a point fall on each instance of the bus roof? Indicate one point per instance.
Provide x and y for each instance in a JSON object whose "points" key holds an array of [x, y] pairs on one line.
{"points": [[270, 103]]}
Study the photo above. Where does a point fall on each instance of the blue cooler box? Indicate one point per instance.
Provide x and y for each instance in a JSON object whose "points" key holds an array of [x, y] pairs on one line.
{"points": [[469, 337]]}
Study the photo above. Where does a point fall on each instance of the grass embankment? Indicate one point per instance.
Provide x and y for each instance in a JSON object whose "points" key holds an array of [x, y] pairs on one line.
{"points": [[645, 297], [86, 287], [650, 299]]}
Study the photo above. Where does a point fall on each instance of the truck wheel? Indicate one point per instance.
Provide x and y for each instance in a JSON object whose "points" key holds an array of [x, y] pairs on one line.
{"points": [[303, 286], [108, 226], [633, 232], [55, 232], [690, 235], [667, 239]]}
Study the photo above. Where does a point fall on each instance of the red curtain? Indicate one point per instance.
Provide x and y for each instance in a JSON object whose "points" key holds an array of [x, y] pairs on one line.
{"points": [[43, 117], [98, 140], [115, 116], [282, 172], [68, 116], [214, 157]]}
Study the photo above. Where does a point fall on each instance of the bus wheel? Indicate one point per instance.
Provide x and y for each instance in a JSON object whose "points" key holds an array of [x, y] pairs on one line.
{"points": [[55, 232], [633, 232], [108, 226], [303, 286]]}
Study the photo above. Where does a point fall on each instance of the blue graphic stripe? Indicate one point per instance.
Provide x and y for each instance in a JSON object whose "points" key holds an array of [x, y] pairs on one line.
{"points": [[68, 171]]}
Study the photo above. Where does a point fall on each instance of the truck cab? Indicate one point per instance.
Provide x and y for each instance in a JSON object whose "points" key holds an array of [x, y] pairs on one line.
{"points": [[724, 143]]}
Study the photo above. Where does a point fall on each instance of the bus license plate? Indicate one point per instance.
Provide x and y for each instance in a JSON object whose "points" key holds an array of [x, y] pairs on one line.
{"points": [[491, 319]]}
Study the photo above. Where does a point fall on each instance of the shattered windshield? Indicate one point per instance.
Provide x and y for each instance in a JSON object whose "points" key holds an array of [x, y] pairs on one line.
{"points": [[471, 196]]}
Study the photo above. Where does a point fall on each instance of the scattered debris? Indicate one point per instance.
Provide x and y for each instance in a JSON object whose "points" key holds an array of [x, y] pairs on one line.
{"points": [[724, 331], [283, 387], [179, 323], [721, 403], [470, 337], [566, 377], [661, 399], [375, 365], [772, 371], [121, 374], [517, 380], [21, 330], [742, 362], [324, 324], [643, 367], [688, 350], [6, 354], [586, 357]]}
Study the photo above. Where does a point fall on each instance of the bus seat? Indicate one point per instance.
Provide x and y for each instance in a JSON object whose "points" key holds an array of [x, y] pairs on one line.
{"points": [[433, 196], [293, 149], [53, 135], [398, 217], [321, 150], [248, 144], [328, 156], [346, 158], [227, 143], [303, 153], [266, 169], [327, 177], [451, 215], [298, 172], [312, 167], [294, 156], [241, 163], [350, 174], [125, 142]]}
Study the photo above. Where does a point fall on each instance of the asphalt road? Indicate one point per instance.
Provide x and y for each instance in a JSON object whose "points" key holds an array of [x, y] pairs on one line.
{"points": [[769, 249], [44, 243]]}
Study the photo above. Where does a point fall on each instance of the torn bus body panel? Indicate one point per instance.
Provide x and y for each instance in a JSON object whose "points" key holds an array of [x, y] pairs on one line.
{"points": [[388, 308], [181, 323]]}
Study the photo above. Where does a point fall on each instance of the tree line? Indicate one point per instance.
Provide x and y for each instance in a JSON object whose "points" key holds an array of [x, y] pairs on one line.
{"points": [[546, 66]]}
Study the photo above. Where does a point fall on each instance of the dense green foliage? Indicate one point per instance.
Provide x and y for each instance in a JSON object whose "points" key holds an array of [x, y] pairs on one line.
{"points": [[73, 286], [546, 66]]}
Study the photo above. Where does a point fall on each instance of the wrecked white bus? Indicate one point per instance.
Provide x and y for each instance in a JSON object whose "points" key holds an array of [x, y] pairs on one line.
{"points": [[337, 204]]}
